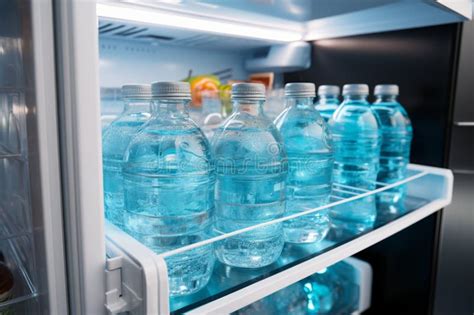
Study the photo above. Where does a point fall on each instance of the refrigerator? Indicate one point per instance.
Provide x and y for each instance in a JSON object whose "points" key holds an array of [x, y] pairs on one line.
{"points": [[62, 64]]}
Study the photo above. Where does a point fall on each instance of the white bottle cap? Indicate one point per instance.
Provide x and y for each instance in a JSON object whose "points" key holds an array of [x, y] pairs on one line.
{"points": [[171, 90], [355, 89], [386, 89], [329, 90], [138, 91], [249, 91], [303, 89]]}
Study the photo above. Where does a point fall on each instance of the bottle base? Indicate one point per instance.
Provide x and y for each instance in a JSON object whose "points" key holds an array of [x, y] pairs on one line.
{"points": [[190, 272], [343, 229], [311, 228], [249, 253], [304, 237]]}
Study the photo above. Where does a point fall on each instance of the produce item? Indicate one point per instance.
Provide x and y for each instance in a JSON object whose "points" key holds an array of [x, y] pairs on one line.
{"points": [[265, 78], [201, 84]]}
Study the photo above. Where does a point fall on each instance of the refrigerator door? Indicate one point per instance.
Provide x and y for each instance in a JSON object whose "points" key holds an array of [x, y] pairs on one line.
{"points": [[81, 163], [31, 233]]}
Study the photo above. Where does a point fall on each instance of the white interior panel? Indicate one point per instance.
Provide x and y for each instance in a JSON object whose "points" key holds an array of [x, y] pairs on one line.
{"points": [[124, 62]]}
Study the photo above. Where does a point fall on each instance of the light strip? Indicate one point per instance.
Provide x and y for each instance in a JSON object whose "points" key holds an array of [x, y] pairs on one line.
{"points": [[182, 21]]}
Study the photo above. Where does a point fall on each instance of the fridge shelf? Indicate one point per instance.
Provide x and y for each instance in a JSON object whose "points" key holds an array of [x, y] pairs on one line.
{"points": [[16, 252], [144, 282], [14, 216], [8, 155]]}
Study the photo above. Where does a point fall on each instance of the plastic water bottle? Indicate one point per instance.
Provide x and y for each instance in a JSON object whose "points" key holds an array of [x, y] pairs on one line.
{"points": [[328, 100], [250, 187], [310, 160], [356, 141], [169, 187], [395, 150], [114, 143], [332, 290]]}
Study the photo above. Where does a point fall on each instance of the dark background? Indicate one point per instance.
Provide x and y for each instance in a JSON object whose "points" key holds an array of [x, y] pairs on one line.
{"points": [[423, 62]]}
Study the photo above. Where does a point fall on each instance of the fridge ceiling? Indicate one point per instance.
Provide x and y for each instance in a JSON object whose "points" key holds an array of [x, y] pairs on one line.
{"points": [[260, 23], [158, 35]]}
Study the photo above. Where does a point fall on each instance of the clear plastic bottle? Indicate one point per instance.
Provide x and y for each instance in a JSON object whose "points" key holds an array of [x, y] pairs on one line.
{"points": [[356, 141], [250, 187], [397, 134], [328, 100], [169, 187], [333, 290], [310, 160], [115, 140]]}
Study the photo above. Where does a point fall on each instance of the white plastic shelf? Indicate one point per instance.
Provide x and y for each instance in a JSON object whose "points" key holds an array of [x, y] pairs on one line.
{"points": [[143, 274]]}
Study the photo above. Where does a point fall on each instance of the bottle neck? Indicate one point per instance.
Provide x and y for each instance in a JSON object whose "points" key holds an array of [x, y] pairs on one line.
{"points": [[251, 107], [328, 99], [137, 105], [301, 102], [386, 99], [169, 106], [355, 98]]}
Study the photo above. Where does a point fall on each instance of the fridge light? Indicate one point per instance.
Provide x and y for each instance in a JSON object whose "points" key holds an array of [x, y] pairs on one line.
{"points": [[199, 23]]}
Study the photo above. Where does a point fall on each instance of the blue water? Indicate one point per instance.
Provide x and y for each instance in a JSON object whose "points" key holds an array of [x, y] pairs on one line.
{"points": [[310, 162], [169, 196], [333, 290], [356, 141], [327, 106], [250, 188], [397, 134], [114, 143]]}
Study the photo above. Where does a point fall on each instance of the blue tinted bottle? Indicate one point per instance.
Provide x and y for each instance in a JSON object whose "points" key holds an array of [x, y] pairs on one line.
{"points": [[310, 160], [328, 100], [397, 134], [115, 140], [250, 188], [332, 290], [356, 142], [169, 188]]}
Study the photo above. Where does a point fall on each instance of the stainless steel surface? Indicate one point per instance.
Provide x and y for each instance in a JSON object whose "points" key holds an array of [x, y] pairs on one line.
{"points": [[464, 110], [455, 277], [462, 148], [464, 123]]}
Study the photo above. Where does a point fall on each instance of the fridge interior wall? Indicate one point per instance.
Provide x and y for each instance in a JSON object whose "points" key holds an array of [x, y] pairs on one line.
{"points": [[127, 61], [422, 62], [418, 60]]}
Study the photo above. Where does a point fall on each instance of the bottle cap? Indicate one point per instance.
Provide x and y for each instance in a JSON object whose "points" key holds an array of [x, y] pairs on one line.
{"points": [[136, 91], [329, 90], [355, 89], [386, 89], [255, 91], [303, 89], [172, 90]]}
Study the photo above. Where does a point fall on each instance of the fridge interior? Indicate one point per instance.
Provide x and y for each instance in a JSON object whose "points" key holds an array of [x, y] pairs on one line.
{"points": [[17, 238], [138, 44]]}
